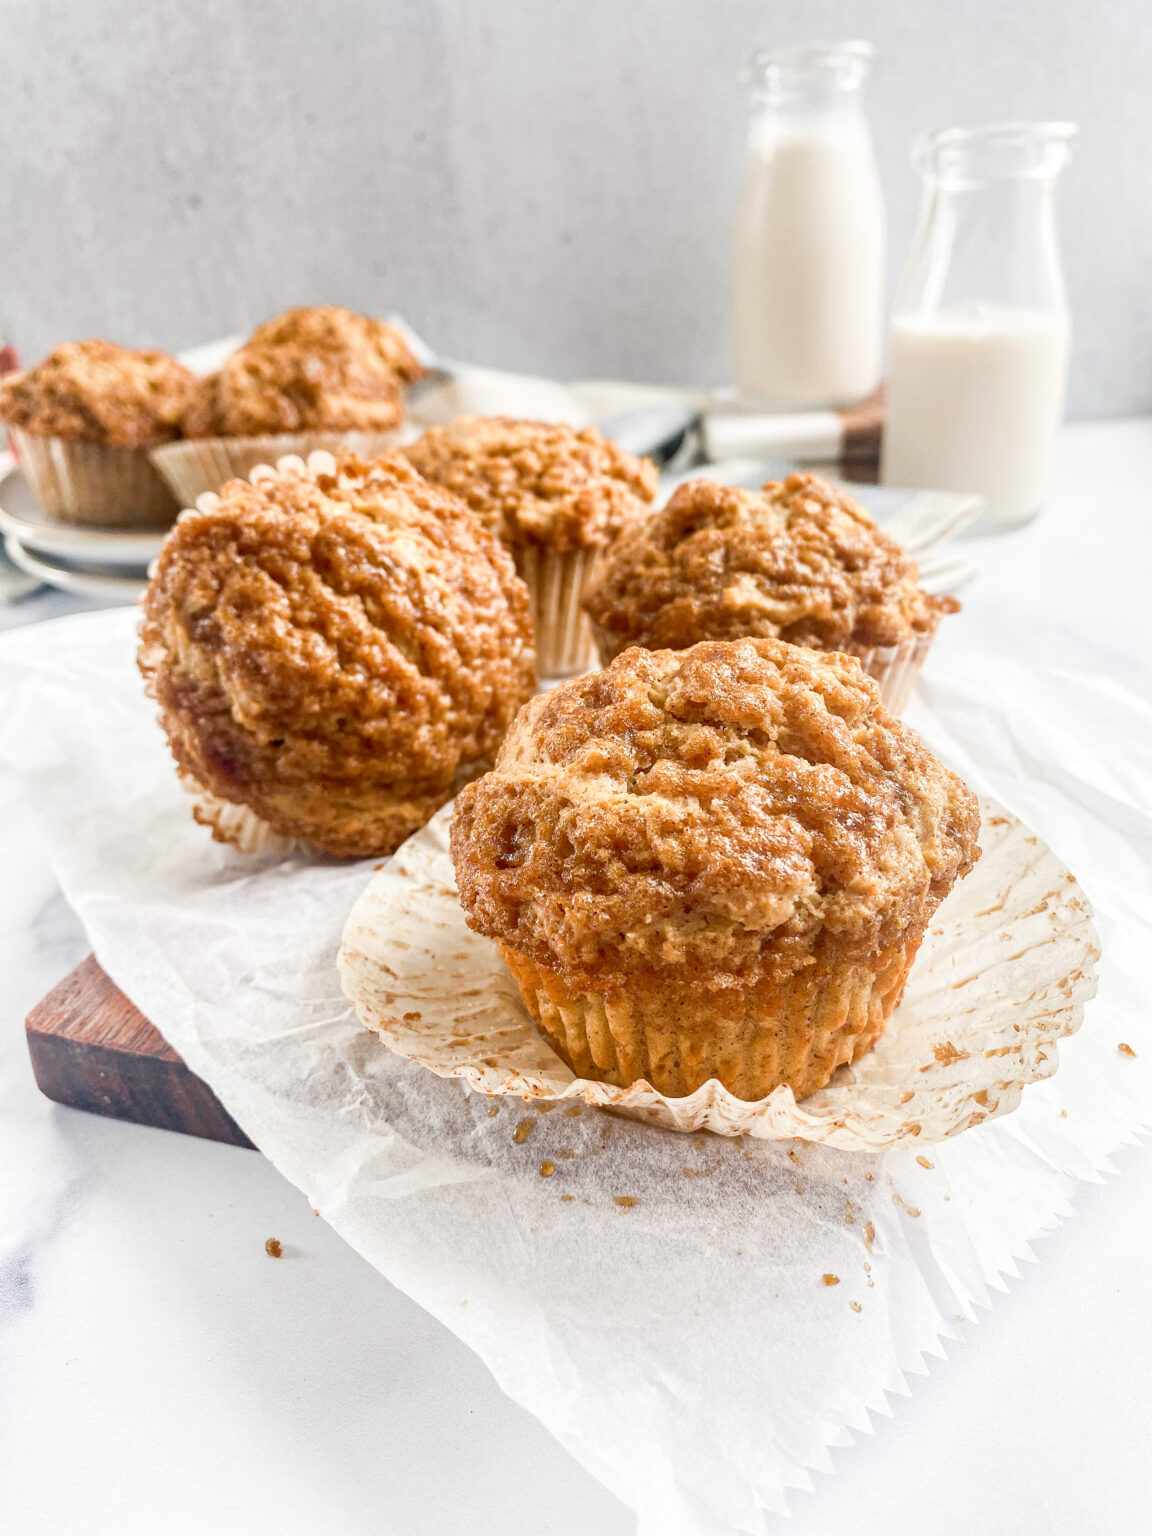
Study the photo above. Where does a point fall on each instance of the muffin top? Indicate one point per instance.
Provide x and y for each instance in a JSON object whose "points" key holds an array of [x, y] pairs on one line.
{"points": [[709, 814], [309, 369], [799, 560], [330, 651], [536, 482], [97, 392]]}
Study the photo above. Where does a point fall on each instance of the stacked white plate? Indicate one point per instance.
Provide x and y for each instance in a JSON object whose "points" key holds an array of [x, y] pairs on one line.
{"points": [[110, 564]]}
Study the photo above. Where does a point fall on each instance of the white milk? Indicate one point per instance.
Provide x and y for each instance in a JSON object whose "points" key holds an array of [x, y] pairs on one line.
{"points": [[975, 395], [808, 275]]}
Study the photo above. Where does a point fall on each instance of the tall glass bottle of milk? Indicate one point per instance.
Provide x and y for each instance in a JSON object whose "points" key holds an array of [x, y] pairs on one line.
{"points": [[809, 248], [980, 329]]}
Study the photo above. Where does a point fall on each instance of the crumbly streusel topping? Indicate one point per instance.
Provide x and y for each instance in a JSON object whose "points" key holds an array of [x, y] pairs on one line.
{"points": [[331, 654], [97, 392], [799, 561], [710, 814], [309, 369], [535, 482]]}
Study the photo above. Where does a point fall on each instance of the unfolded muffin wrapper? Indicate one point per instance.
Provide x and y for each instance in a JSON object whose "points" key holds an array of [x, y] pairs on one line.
{"points": [[193, 466], [555, 578], [1003, 973], [94, 485]]}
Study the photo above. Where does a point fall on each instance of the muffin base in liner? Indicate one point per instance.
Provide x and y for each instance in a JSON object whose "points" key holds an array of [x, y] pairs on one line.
{"points": [[235, 824], [93, 485], [1003, 973], [752, 1042], [195, 465], [895, 667], [555, 578]]}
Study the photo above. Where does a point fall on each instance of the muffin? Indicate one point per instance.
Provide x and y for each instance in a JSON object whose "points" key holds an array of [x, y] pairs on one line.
{"points": [[333, 648], [81, 422], [310, 378], [799, 560], [715, 863], [556, 497]]}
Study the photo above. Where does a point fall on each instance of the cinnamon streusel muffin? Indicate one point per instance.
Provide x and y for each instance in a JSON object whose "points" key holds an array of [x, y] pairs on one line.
{"points": [[80, 422], [556, 497], [320, 377], [331, 648], [799, 560], [712, 863]]}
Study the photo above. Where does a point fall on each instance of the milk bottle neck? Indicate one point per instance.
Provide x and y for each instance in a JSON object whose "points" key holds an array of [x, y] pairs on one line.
{"points": [[808, 80], [987, 228]]}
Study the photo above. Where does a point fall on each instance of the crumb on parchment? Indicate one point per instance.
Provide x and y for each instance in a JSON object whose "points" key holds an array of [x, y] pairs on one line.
{"points": [[1125, 1049], [830, 1279], [273, 1248]]}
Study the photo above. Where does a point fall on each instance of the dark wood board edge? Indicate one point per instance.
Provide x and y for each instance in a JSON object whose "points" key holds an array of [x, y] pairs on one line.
{"points": [[92, 1049]]}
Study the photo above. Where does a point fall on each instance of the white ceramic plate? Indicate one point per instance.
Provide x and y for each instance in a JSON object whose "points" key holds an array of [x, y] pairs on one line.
{"points": [[122, 586], [23, 518]]}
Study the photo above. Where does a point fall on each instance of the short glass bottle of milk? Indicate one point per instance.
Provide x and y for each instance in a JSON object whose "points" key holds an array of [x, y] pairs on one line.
{"points": [[980, 329], [809, 239]]}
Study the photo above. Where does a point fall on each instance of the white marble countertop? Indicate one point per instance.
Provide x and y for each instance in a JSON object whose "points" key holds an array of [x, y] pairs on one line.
{"points": [[159, 1373]]}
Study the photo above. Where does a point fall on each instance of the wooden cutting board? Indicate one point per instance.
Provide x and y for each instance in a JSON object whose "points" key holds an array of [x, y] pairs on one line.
{"points": [[92, 1049]]}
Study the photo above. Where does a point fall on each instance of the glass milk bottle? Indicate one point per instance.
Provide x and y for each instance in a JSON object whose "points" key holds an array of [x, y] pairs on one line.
{"points": [[980, 330], [809, 246]]}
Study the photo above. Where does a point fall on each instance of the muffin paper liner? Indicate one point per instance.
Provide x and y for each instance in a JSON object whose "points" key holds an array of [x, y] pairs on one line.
{"points": [[195, 465], [826, 1016], [235, 824], [896, 668], [555, 578], [90, 484], [1003, 973]]}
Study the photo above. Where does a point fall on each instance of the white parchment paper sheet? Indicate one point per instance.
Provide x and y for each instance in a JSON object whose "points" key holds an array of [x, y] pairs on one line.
{"points": [[685, 1347]]}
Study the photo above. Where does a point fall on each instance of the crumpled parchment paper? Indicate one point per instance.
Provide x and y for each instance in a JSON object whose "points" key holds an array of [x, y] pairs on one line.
{"points": [[697, 1319]]}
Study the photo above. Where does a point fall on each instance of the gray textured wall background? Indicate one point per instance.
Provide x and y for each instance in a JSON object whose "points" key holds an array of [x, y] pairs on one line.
{"points": [[538, 184]]}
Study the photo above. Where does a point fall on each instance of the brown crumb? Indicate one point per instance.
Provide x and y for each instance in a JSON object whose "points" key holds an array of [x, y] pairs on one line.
{"points": [[913, 1210], [625, 1202], [830, 1279], [869, 1236], [413, 1018], [315, 1213], [856, 1307], [1125, 1050], [567, 1197], [493, 1109], [924, 1163], [524, 1130], [273, 1247], [1063, 1114], [947, 1053], [547, 1168]]}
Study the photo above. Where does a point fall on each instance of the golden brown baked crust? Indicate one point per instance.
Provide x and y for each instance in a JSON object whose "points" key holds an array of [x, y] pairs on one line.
{"points": [[535, 482], [97, 392], [332, 654], [309, 369], [798, 561], [726, 815]]}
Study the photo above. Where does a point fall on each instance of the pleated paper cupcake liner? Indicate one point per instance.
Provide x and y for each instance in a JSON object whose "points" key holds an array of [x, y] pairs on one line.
{"points": [[88, 484], [235, 824], [555, 578], [193, 466], [1002, 974], [896, 668], [752, 1041]]}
